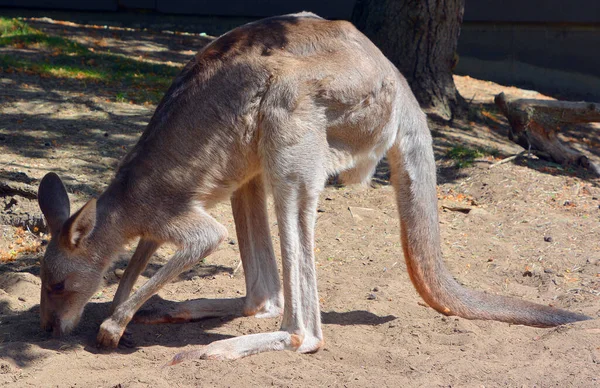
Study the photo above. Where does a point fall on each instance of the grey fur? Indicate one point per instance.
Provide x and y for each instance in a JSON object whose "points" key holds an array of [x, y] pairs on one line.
{"points": [[279, 105]]}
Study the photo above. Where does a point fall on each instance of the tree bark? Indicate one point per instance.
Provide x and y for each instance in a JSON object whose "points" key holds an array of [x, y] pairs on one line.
{"points": [[420, 38], [535, 125]]}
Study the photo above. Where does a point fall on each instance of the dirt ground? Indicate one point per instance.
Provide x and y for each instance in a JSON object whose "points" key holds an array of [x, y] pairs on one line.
{"points": [[526, 228]]}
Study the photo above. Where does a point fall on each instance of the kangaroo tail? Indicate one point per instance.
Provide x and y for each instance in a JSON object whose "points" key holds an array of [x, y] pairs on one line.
{"points": [[414, 179]]}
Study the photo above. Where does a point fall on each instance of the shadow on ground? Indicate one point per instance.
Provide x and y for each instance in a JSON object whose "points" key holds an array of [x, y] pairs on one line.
{"points": [[24, 343]]}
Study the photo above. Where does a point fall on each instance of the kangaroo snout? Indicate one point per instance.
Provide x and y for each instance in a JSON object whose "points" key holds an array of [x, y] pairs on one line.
{"points": [[51, 324], [59, 327]]}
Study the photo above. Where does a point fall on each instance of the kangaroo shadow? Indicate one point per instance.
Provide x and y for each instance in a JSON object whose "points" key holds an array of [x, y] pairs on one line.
{"points": [[24, 342], [200, 270], [359, 317]]}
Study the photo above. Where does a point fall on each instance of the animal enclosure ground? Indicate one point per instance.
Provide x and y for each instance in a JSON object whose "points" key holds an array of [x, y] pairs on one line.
{"points": [[75, 98]]}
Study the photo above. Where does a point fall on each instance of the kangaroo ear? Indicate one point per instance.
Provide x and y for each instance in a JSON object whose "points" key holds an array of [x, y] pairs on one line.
{"points": [[81, 225], [53, 201]]}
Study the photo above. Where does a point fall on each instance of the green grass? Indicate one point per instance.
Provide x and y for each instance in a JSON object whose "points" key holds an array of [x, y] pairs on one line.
{"points": [[465, 156], [121, 97], [69, 60], [14, 27], [15, 33]]}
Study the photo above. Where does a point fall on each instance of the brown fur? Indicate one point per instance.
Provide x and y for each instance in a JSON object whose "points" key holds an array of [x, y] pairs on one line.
{"points": [[279, 105]]}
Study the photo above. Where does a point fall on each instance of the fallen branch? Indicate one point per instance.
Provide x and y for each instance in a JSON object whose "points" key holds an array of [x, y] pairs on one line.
{"points": [[536, 123]]}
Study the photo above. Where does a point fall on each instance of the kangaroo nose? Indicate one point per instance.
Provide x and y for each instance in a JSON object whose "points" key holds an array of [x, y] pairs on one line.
{"points": [[53, 326]]}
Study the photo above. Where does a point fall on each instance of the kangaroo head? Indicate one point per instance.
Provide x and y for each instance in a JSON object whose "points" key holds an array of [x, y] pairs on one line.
{"points": [[69, 270]]}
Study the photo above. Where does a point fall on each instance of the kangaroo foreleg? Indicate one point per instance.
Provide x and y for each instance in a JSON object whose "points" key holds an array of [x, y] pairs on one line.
{"points": [[137, 264], [197, 235]]}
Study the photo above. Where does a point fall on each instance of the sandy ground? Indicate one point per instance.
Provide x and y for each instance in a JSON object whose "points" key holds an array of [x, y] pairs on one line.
{"points": [[528, 229]]}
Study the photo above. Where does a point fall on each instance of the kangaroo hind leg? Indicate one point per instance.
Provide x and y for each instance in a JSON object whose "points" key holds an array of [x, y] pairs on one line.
{"points": [[297, 174]]}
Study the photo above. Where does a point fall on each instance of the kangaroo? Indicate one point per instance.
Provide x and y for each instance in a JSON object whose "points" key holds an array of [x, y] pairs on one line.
{"points": [[275, 105]]}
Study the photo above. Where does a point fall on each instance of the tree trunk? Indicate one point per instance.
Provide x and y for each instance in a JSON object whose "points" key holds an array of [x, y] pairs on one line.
{"points": [[420, 38]]}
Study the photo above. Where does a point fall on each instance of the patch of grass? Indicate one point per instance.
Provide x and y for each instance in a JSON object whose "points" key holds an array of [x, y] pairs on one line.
{"points": [[10, 64], [66, 59], [465, 156], [15, 33], [14, 27], [39, 40], [120, 97], [70, 72]]}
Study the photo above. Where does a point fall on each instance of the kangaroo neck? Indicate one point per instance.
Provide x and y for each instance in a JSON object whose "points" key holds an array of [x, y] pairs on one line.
{"points": [[111, 231]]}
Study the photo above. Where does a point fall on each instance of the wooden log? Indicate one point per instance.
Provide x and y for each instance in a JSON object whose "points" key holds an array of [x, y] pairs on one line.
{"points": [[535, 125]]}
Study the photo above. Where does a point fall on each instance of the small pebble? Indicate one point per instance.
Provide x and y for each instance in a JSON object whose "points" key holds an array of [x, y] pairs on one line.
{"points": [[372, 297], [548, 270], [232, 242], [375, 289], [548, 239], [21, 299], [119, 272]]}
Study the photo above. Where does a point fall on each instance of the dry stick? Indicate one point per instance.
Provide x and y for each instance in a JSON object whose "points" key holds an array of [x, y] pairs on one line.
{"points": [[506, 160], [237, 268]]}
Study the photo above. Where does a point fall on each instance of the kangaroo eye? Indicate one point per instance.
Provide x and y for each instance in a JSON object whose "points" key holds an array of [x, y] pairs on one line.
{"points": [[57, 288]]}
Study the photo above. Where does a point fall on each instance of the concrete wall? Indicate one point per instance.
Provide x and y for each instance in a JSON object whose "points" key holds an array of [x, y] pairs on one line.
{"points": [[533, 11], [549, 45], [83, 5], [561, 60]]}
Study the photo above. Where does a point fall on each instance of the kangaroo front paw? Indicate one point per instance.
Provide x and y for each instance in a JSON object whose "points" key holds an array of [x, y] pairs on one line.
{"points": [[110, 334]]}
